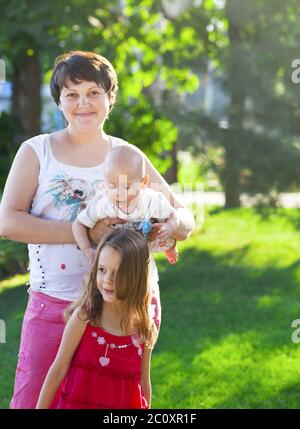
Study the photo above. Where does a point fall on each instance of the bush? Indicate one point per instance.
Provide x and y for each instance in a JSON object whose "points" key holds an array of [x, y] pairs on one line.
{"points": [[13, 258], [9, 127]]}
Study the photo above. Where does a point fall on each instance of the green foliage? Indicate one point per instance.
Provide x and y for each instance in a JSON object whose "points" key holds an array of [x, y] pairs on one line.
{"points": [[9, 126], [250, 45], [199, 169], [13, 258], [262, 141], [144, 48], [139, 40], [144, 127]]}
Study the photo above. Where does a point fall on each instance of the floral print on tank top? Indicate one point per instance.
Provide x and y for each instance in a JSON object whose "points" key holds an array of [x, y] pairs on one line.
{"points": [[72, 193]]}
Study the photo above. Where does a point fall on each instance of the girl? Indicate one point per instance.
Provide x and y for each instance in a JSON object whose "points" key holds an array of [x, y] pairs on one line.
{"points": [[51, 180], [106, 346]]}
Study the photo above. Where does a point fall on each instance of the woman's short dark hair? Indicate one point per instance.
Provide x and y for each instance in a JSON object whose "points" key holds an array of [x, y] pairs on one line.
{"points": [[82, 65]]}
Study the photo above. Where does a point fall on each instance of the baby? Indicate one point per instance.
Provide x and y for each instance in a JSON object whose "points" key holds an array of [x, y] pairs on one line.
{"points": [[128, 197]]}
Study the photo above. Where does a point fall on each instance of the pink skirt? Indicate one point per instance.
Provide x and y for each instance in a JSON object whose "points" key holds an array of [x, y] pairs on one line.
{"points": [[41, 335]]}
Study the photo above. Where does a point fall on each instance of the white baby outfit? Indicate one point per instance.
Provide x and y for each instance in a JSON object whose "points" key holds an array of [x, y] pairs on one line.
{"points": [[150, 205]]}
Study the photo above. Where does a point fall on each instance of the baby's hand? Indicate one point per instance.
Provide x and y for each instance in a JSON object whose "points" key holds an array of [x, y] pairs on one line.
{"points": [[90, 254], [166, 229]]}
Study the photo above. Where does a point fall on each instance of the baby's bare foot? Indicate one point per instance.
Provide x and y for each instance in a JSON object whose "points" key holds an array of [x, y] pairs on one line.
{"points": [[172, 255]]}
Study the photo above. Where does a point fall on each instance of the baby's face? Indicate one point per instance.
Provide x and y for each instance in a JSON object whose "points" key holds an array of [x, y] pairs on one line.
{"points": [[123, 187]]}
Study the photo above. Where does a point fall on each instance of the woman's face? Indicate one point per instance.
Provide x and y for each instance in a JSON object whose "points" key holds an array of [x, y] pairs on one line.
{"points": [[84, 105]]}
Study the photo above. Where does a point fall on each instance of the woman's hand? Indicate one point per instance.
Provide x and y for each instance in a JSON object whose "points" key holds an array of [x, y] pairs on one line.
{"points": [[152, 236], [103, 227]]}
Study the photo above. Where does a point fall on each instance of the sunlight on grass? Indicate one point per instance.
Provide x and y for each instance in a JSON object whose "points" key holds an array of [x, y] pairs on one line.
{"points": [[15, 281], [267, 301], [206, 380], [225, 373], [220, 364], [228, 305], [296, 274], [258, 372], [246, 238], [279, 368]]}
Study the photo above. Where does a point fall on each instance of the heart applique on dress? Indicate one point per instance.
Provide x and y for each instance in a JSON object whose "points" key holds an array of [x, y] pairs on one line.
{"points": [[104, 361]]}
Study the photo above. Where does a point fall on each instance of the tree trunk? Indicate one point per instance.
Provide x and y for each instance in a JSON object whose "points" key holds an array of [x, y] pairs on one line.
{"points": [[26, 98], [231, 175], [233, 141], [168, 100], [172, 173]]}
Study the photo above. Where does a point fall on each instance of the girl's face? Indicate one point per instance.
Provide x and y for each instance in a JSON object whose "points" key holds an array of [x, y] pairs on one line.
{"points": [[84, 105], [108, 264]]}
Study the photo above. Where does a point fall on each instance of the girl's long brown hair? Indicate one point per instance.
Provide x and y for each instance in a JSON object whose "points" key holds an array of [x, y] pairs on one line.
{"points": [[132, 286]]}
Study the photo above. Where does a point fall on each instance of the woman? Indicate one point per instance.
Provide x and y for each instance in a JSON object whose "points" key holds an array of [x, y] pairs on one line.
{"points": [[52, 178]]}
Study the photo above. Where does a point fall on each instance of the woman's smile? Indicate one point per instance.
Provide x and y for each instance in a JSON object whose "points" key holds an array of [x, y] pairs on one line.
{"points": [[85, 114]]}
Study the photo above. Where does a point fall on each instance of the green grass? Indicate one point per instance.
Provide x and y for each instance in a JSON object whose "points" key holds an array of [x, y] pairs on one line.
{"points": [[225, 340], [13, 297], [228, 305]]}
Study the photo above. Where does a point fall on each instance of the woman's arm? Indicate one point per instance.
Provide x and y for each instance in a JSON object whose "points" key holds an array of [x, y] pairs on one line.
{"points": [[73, 333], [145, 375], [185, 217], [80, 233], [15, 221]]}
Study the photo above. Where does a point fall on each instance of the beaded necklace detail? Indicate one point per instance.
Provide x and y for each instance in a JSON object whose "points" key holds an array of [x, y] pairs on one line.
{"points": [[104, 360]]}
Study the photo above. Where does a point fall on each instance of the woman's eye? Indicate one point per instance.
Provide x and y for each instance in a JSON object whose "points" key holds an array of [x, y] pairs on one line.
{"points": [[72, 95], [102, 270], [95, 93]]}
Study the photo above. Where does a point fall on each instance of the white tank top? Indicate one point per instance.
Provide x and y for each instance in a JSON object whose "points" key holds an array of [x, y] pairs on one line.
{"points": [[63, 191]]}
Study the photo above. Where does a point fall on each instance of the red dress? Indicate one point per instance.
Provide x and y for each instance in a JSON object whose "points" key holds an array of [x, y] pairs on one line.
{"points": [[105, 372]]}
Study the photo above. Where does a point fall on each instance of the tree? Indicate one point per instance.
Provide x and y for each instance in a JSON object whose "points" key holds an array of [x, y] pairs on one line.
{"points": [[261, 155], [29, 35], [251, 46], [134, 36]]}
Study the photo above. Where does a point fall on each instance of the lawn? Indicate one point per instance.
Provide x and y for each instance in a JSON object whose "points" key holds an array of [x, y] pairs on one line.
{"points": [[228, 306]]}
